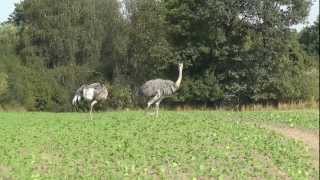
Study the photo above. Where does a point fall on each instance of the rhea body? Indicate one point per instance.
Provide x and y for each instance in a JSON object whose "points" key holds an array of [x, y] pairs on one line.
{"points": [[93, 93], [158, 89]]}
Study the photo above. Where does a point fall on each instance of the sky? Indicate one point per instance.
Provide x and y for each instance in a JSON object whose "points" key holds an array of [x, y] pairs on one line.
{"points": [[7, 7], [313, 14]]}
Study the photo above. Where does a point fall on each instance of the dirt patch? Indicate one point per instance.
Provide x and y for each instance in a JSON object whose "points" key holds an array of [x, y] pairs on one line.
{"points": [[272, 169], [46, 162], [311, 139], [5, 172]]}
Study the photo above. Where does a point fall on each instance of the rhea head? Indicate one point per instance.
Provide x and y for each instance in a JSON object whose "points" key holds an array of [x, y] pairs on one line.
{"points": [[180, 65]]}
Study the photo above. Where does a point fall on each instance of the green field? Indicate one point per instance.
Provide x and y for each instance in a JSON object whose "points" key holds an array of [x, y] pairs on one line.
{"points": [[132, 145]]}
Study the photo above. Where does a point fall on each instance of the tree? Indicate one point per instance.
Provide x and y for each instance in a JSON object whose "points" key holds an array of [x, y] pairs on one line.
{"points": [[309, 38], [65, 32], [234, 52], [66, 43], [242, 42], [148, 49], [3, 83]]}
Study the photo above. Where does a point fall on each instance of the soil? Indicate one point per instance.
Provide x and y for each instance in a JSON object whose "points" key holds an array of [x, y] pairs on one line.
{"points": [[308, 137]]}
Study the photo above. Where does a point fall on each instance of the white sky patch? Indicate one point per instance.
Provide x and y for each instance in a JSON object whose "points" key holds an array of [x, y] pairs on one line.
{"points": [[284, 8], [123, 9], [250, 18], [6, 8], [313, 15]]}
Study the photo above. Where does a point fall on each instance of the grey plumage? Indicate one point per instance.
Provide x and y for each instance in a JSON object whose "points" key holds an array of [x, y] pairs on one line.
{"points": [[92, 93], [160, 89], [150, 88]]}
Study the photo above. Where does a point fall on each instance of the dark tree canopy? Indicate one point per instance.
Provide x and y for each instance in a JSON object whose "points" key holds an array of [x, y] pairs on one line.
{"points": [[234, 52], [309, 39]]}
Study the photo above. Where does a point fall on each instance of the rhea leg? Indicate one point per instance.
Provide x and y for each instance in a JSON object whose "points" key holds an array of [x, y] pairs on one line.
{"points": [[157, 106], [154, 99], [91, 107]]}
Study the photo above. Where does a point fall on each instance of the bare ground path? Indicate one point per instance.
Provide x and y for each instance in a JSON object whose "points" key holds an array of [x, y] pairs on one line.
{"points": [[308, 137]]}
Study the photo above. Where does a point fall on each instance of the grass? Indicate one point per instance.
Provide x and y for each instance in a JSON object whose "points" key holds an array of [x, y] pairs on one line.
{"points": [[130, 145], [305, 119]]}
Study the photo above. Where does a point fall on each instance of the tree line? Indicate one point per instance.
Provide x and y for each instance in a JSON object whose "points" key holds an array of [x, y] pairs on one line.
{"points": [[235, 52]]}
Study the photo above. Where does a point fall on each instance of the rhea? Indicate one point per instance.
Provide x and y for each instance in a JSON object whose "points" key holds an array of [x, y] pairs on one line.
{"points": [[93, 93], [158, 89]]}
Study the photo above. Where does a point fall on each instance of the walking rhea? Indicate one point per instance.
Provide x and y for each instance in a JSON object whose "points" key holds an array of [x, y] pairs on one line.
{"points": [[159, 89], [93, 93]]}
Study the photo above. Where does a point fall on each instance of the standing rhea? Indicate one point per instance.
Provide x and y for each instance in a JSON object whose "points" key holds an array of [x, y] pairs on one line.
{"points": [[92, 93], [159, 89]]}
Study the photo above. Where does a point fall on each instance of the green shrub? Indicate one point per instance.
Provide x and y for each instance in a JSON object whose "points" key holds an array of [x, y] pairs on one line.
{"points": [[120, 97], [3, 83]]}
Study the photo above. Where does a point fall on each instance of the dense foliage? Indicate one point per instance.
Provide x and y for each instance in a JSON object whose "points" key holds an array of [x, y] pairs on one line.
{"points": [[235, 52], [310, 39]]}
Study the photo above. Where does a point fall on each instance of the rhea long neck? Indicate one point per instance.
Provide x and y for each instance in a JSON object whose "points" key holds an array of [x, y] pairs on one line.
{"points": [[178, 82]]}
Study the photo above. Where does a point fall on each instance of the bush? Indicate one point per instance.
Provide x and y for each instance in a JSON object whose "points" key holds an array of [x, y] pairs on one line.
{"points": [[120, 97], [310, 85], [3, 83]]}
